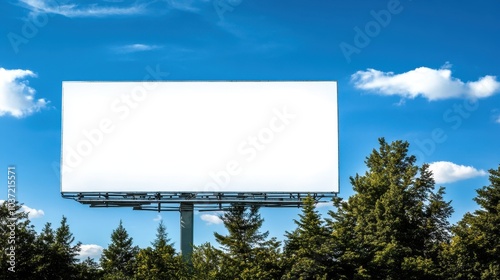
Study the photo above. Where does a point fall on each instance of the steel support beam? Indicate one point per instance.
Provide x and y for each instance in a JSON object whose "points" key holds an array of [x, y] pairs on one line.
{"points": [[187, 226]]}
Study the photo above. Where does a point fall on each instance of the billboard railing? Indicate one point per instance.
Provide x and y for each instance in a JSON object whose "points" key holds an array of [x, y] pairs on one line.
{"points": [[165, 201]]}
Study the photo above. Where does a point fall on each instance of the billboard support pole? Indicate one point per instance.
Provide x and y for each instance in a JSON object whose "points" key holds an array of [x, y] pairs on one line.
{"points": [[187, 225]]}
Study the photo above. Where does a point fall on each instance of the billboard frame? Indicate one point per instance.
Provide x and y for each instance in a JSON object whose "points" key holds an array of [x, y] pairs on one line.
{"points": [[282, 190], [187, 202], [162, 201]]}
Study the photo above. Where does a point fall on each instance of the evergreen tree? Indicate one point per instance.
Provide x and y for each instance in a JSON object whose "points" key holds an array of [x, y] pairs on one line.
{"points": [[88, 269], [248, 254], [474, 252], [305, 251], [162, 240], [66, 252], [16, 232], [160, 261], [44, 254], [118, 260], [208, 263], [395, 225], [55, 255]]}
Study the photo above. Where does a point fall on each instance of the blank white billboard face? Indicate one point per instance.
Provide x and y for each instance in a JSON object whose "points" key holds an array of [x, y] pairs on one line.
{"points": [[199, 137]]}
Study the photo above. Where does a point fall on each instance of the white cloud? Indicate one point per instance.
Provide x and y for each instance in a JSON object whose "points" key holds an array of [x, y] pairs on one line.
{"points": [[211, 219], [77, 10], [32, 213], [183, 5], [158, 218], [90, 250], [433, 84], [448, 172], [17, 98], [495, 115], [136, 48], [324, 204]]}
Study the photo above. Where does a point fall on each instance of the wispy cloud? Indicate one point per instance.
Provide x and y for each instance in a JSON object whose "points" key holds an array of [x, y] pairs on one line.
{"points": [[448, 172], [90, 250], [136, 48], [495, 115], [32, 212], [71, 9], [17, 98], [324, 204], [433, 84], [211, 219], [185, 5], [158, 218], [75, 9]]}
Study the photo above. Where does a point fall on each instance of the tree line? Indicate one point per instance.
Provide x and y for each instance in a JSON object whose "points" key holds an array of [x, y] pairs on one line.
{"points": [[395, 226]]}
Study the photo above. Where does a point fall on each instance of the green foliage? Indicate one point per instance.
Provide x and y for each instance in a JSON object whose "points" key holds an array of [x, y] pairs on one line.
{"points": [[66, 252], [55, 255], [208, 263], [118, 260], [395, 224], [160, 261], [23, 243], [248, 254], [88, 269], [474, 252], [305, 254]]}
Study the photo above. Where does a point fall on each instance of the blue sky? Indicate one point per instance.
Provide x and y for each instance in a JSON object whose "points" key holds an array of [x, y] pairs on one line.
{"points": [[411, 70]]}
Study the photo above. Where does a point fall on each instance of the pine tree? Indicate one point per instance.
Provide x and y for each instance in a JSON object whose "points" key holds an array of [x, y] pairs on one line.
{"points": [[44, 255], [208, 263], [248, 254], [55, 255], [161, 261], [162, 240], [88, 269], [474, 252], [16, 232], [305, 255], [118, 260], [65, 251], [394, 226]]}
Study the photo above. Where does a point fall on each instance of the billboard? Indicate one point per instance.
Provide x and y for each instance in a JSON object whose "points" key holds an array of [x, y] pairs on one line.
{"points": [[194, 137]]}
